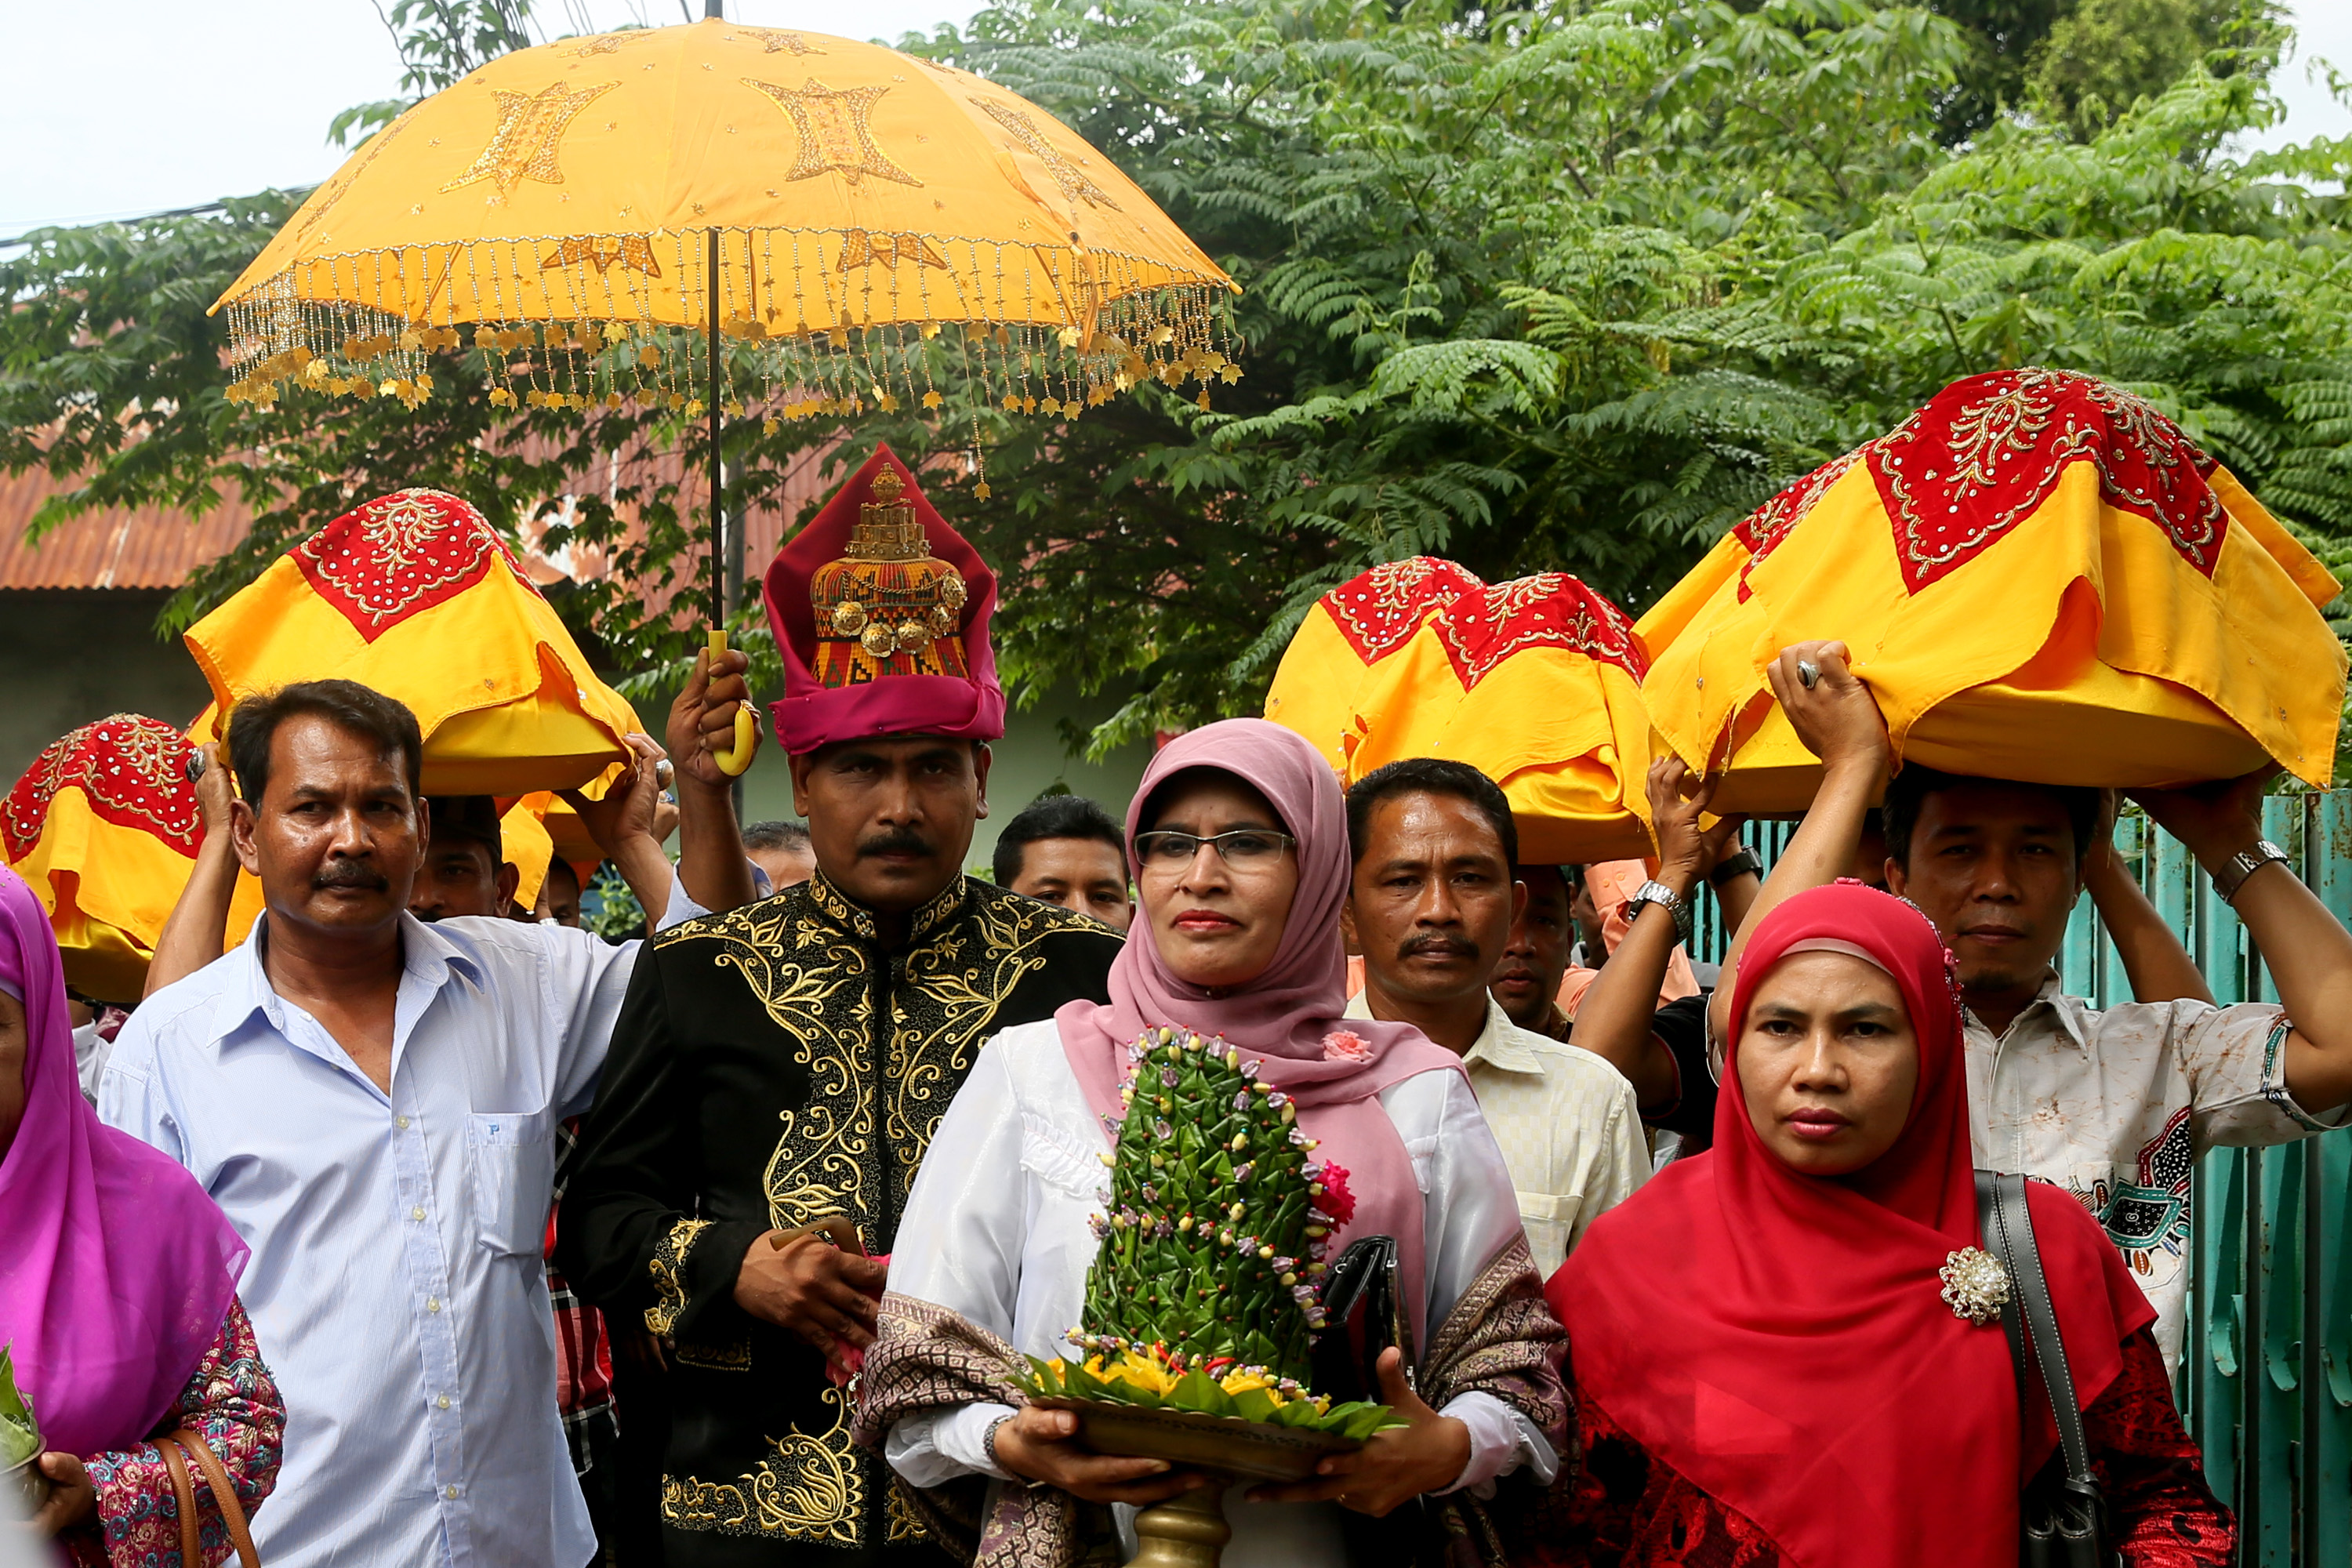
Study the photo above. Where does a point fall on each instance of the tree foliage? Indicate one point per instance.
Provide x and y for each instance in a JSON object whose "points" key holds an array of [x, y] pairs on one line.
{"points": [[2105, 56], [1569, 286], [440, 42], [1579, 288]]}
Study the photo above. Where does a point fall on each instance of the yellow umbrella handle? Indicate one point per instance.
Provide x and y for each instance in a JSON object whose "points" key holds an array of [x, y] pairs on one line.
{"points": [[733, 761]]}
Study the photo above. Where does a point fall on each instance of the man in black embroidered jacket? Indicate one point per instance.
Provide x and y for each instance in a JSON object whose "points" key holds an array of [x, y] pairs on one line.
{"points": [[783, 1066]]}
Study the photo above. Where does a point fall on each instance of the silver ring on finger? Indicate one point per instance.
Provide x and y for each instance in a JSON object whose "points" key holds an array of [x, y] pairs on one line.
{"points": [[1809, 674], [195, 768]]}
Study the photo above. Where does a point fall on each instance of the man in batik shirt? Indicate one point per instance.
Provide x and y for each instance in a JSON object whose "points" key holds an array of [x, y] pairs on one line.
{"points": [[778, 1071]]}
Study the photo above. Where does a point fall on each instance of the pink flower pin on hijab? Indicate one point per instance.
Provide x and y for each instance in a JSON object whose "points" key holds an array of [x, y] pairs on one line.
{"points": [[1346, 1046]]}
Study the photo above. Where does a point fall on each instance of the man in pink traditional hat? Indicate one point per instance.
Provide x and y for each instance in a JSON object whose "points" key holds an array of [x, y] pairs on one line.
{"points": [[779, 1069]]}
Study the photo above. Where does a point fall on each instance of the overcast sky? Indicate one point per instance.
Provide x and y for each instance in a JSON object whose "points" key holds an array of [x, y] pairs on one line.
{"points": [[139, 105]]}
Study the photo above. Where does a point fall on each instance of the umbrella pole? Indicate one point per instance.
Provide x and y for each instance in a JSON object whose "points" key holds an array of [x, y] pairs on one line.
{"points": [[717, 478], [732, 762]]}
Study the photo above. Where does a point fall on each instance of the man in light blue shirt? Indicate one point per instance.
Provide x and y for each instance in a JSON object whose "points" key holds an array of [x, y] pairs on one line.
{"points": [[373, 1101]]}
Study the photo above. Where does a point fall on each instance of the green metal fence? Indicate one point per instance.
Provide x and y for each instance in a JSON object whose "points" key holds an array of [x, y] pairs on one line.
{"points": [[2266, 1368]]}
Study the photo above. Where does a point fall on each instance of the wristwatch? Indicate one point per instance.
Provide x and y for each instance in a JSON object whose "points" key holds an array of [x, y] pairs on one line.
{"points": [[1666, 898], [2244, 864], [1743, 864]]}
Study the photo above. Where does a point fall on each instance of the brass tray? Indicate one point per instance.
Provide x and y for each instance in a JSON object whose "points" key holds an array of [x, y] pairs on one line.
{"points": [[24, 1489], [1249, 1450]]}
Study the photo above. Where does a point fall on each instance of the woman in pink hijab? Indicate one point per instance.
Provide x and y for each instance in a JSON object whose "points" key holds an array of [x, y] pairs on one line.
{"points": [[118, 1293], [1237, 836]]}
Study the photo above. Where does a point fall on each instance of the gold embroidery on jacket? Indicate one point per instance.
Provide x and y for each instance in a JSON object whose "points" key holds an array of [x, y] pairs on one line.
{"points": [[899, 1519], [811, 1487], [667, 1264], [804, 959], [955, 985]]}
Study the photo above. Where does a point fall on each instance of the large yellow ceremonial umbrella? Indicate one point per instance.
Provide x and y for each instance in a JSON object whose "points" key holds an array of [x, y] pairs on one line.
{"points": [[416, 595], [604, 211], [2039, 577], [1535, 682], [104, 827]]}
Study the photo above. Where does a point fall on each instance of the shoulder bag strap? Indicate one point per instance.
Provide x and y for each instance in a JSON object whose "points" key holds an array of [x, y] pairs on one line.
{"points": [[232, 1512], [192, 1550], [2023, 1256], [2020, 1366]]}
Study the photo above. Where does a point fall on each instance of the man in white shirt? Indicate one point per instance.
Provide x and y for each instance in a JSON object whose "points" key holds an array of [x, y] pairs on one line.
{"points": [[1430, 907], [373, 1101], [2115, 1106]]}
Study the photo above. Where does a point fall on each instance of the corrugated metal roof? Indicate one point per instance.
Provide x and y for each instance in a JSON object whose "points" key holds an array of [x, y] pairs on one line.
{"points": [[146, 548], [804, 484]]}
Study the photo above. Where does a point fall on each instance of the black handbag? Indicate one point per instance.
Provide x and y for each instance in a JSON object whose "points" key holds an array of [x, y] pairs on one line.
{"points": [[2062, 1517], [1364, 1297], [1364, 1303]]}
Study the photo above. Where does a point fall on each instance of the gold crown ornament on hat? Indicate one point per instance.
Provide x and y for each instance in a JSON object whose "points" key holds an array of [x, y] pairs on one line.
{"points": [[888, 606]]}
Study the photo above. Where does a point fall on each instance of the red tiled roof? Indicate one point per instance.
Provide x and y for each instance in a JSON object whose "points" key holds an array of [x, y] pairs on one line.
{"points": [[149, 547]]}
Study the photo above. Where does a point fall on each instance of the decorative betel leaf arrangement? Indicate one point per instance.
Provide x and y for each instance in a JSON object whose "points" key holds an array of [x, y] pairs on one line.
{"points": [[1207, 1290], [20, 1436]]}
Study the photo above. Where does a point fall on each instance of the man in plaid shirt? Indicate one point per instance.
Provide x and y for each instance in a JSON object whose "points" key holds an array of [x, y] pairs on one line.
{"points": [[583, 1368]]}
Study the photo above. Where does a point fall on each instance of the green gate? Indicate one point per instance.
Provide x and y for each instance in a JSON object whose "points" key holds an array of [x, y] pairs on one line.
{"points": [[2266, 1367]]}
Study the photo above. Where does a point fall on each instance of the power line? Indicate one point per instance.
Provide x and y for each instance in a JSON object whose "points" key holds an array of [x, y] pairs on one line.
{"points": [[199, 210]]}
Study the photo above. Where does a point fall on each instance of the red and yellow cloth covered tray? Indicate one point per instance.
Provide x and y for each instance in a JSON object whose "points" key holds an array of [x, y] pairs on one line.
{"points": [[104, 827], [2041, 578], [1535, 682], [416, 595]]}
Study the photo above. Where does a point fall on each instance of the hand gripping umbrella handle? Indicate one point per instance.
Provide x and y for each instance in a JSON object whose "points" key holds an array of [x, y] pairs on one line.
{"points": [[734, 760]]}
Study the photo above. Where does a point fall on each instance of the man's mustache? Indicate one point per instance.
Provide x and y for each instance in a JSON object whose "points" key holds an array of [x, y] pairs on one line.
{"points": [[1412, 947], [349, 874], [897, 841]]}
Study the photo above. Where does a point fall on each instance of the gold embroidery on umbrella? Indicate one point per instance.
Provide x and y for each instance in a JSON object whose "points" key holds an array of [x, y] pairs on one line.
{"points": [[809, 1488], [773, 42], [836, 134], [530, 132], [1073, 181], [862, 248], [632, 252], [610, 44], [334, 190]]}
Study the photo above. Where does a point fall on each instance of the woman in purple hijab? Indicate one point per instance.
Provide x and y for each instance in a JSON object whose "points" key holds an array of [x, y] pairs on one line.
{"points": [[118, 1291], [1238, 839]]}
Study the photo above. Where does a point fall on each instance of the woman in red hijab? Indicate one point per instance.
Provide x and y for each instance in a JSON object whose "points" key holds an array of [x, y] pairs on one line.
{"points": [[1766, 1371]]}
